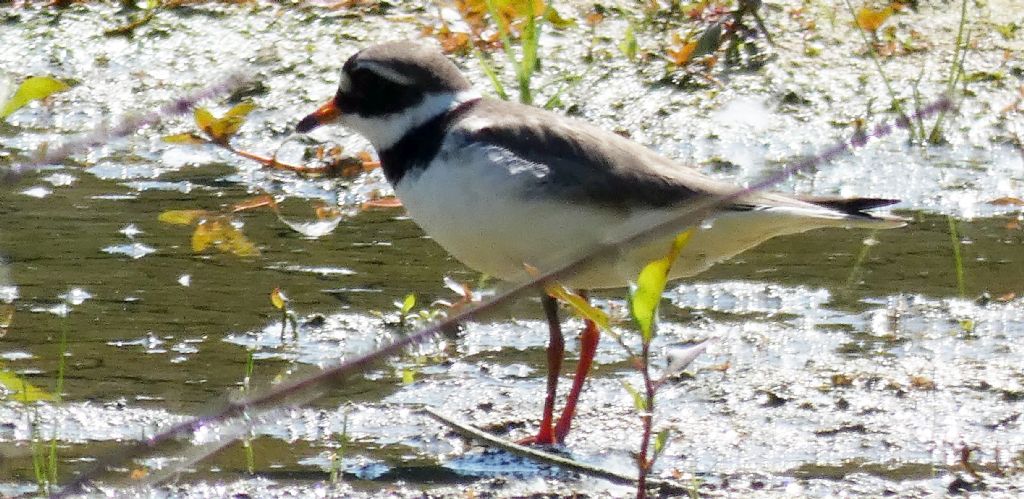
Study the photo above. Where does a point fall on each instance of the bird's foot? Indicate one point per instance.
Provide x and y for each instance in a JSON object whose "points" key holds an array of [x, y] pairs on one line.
{"points": [[543, 437]]}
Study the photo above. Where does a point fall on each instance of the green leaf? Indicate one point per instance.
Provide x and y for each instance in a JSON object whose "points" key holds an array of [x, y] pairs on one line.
{"points": [[204, 119], [492, 75], [235, 118], [222, 129], [644, 300], [408, 376], [20, 390], [552, 16], [579, 305], [628, 44], [221, 234], [182, 217], [659, 442], [34, 88], [639, 402], [184, 138], [408, 303], [1007, 30], [278, 299], [984, 76]]}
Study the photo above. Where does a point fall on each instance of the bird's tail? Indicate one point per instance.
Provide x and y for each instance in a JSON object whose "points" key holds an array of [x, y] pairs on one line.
{"points": [[855, 211]]}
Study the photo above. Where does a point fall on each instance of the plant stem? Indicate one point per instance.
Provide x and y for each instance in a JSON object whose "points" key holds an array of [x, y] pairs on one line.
{"points": [[530, 37], [58, 390], [954, 239], [895, 103], [250, 367], [250, 456], [863, 255], [492, 75], [38, 467], [284, 322], [955, 70], [647, 419]]}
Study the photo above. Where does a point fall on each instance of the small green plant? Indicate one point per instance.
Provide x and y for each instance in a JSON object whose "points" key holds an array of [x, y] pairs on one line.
{"points": [[862, 256], [404, 307], [338, 456], [280, 302], [247, 449], [529, 41], [643, 299], [44, 457], [869, 21], [404, 315], [956, 71], [44, 454], [512, 26], [628, 45]]}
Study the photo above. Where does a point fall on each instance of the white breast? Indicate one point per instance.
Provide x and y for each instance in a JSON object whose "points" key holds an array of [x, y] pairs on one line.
{"points": [[476, 202]]}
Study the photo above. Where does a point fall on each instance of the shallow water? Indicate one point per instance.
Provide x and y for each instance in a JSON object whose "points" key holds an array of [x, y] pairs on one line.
{"points": [[827, 376]]}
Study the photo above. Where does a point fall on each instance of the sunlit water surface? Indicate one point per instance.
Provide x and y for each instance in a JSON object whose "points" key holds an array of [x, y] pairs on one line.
{"points": [[844, 362]]}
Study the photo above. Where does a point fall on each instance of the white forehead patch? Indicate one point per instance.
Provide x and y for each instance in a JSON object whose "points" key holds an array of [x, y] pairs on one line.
{"points": [[344, 83], [386, 72]]}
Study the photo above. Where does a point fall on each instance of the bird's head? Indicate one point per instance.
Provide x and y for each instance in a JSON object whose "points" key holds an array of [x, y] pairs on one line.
{"points": [[386, 90]]}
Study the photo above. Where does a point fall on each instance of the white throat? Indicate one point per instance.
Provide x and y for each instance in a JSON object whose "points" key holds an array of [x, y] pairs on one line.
{"points": [[385, 131]]}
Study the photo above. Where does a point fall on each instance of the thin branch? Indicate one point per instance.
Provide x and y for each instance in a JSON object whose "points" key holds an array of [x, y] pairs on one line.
{"points": [[129, 125]]}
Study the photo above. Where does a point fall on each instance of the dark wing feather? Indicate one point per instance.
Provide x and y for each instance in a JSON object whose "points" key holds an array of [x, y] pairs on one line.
{"points": [[587, 163]]}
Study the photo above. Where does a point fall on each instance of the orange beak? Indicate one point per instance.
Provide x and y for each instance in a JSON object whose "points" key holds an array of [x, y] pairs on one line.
{"points": [[326, 114]]}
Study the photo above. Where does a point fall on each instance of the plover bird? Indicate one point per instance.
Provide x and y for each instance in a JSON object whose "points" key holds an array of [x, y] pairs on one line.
{"points": [[501, 185]]}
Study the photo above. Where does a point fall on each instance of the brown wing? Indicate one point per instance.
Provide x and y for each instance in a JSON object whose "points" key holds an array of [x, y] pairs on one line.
{"points": [[588, 164]]}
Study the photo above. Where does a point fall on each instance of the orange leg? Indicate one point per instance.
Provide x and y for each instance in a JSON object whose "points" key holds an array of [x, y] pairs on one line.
{"points": [[588, 347], [556, 351]]}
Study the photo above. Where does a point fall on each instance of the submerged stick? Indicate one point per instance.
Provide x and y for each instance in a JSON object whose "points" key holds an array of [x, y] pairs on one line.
{"points": [[304, 389], [472, 433]]}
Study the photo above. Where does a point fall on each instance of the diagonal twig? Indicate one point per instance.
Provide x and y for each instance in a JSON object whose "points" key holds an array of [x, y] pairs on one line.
{"points": [[128, 125]]}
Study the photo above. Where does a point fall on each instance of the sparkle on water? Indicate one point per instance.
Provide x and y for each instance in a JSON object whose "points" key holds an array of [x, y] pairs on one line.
{"points": [[843, 363]]}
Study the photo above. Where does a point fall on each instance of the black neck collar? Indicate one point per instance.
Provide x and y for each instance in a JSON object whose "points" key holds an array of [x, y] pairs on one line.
{"points": [[419, 145]]}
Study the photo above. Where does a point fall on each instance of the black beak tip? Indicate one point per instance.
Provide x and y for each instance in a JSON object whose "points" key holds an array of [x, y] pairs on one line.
{"points": [[307, 124]]}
